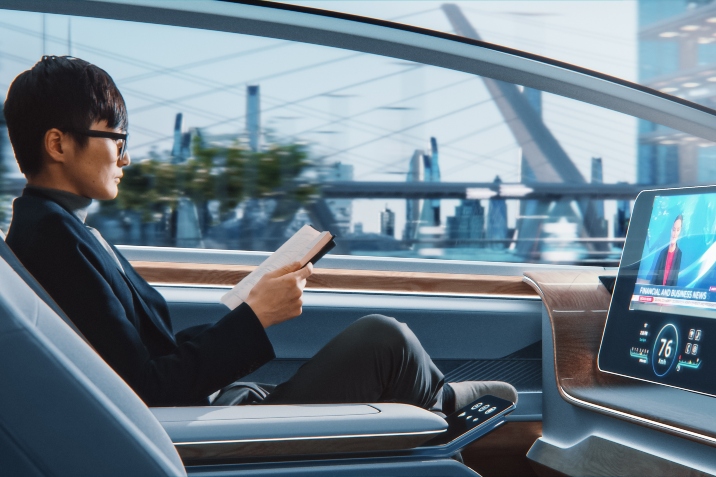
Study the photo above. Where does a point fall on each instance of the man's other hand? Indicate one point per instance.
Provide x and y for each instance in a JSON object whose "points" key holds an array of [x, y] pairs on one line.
{"points": [[278, 296]]}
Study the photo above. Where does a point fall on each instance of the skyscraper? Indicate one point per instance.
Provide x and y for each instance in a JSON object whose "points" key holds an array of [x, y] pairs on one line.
{"points": [[387, 222], [430, 216], [621, 218], [497, 219], [412, 206], [181, 148], [677, 55], [253, 117], [599, 226], [342, 209], [467, 225]]}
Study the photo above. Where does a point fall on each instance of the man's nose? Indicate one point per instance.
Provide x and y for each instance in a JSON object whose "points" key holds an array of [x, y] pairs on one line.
{"points": [[125, 160]]}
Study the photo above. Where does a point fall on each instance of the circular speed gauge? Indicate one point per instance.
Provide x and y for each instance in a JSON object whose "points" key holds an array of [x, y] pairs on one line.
{"points": [[666, 347]]}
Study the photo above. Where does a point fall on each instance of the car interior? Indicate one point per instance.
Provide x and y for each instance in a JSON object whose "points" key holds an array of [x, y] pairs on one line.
{"points": [[537, 326]]}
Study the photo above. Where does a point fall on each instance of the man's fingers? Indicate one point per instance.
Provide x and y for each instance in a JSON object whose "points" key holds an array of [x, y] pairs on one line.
{"points": [[292, 267], [279, 272], [304, 272]]}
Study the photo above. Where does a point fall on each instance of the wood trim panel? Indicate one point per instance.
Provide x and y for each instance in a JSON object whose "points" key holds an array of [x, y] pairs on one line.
{"points": [[338, 279], [503, 452], [219, 452], [577, 305]]}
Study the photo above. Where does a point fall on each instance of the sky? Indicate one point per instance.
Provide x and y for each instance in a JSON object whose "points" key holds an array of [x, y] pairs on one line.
{"points": [[368, 111]]}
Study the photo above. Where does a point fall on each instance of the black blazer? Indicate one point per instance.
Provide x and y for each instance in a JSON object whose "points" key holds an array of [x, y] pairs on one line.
{"points": [[657, 276], [124, 318]]}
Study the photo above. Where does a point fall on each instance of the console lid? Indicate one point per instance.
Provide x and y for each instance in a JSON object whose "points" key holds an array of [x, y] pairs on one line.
{"points": [[217, 434]]}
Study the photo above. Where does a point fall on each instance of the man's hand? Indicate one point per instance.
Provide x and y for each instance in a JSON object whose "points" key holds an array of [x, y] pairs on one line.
{"points": [[278, 296]]}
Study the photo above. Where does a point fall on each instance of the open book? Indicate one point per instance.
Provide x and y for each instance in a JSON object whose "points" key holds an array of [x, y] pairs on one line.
{"points": [[306, 245]]}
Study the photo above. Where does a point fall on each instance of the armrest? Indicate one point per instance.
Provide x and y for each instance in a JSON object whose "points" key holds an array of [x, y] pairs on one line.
{"points": [[220, 434]]}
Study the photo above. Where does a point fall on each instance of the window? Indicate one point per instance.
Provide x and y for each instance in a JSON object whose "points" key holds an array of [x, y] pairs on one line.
{"points": [[237, 141]]}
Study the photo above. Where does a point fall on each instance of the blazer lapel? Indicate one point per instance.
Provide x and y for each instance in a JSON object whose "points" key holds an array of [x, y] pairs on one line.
{"points": [[135, 282]]}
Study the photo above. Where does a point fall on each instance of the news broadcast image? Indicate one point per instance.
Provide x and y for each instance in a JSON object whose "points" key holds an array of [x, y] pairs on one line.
{"points": [[677, 272]]}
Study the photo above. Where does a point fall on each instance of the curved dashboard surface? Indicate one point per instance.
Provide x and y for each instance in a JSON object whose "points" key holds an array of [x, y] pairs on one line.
{"points": [[647, 429], [577, 305]]}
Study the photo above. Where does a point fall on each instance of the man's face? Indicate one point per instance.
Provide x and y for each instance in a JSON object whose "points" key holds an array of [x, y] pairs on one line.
{"points": [[96, 169], [675, 232]]}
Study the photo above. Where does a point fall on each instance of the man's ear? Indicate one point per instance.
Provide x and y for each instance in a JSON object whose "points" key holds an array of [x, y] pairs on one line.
{"points": [[56, 145]]}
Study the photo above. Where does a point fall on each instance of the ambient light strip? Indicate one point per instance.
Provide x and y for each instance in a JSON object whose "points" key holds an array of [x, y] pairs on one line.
{"points": [[280, 439]]}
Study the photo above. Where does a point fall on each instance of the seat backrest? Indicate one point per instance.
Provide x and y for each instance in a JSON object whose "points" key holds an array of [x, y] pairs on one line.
{"points": [[63, 410]]}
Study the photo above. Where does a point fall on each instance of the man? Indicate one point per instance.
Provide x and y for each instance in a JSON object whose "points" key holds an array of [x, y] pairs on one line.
{"points": [[67, 122]]}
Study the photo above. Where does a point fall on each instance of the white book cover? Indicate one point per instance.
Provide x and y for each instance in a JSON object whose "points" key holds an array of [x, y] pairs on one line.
{"points": [[301, 247]]}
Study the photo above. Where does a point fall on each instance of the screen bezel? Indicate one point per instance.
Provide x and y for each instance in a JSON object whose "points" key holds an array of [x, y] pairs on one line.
{"points": [[627, 275]]}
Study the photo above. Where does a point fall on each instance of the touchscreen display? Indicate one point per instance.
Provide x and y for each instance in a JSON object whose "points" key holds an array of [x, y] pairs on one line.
{"points": [[663, 309]]}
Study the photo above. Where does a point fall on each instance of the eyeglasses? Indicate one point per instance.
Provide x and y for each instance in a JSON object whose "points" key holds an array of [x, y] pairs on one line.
{"points": [[117, 137]]}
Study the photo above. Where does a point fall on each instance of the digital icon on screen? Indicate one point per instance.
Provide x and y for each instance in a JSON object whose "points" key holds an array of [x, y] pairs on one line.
{"points": [[695, 349], [697, 337], [691, 333], [664, 352], [688, 348]]}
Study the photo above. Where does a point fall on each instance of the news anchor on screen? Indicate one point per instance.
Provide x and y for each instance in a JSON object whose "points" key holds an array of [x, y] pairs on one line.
{"points": [[666, 270]]}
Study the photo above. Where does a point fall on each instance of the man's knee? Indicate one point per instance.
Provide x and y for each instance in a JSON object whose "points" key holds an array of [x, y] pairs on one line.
{"points": [[386, 331]]}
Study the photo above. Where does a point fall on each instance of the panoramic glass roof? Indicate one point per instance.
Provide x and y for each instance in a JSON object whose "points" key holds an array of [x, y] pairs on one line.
{"points": [[600, 35]]}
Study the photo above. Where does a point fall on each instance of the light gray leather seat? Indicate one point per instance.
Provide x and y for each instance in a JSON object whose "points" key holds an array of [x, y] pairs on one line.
{"points": [[65, 412]]}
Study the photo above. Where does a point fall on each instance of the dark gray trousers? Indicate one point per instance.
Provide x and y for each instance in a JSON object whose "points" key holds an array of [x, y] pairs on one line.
{"points": [[375, 359]]}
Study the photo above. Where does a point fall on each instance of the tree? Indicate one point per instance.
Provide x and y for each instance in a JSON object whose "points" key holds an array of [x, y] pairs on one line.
{"points": [[227, 174]]}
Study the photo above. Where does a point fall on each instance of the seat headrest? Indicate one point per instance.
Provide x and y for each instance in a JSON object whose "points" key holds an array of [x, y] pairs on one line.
{"points": [[9, 257]]}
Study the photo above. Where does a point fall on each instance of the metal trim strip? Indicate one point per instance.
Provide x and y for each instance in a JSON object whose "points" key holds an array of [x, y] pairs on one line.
{"points": [[304, 438]]}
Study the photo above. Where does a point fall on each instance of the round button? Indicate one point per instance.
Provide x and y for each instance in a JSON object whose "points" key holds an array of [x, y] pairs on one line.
{"points": [[666, 347]]}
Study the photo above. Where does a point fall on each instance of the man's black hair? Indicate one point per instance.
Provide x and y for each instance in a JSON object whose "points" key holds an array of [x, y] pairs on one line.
{"points": [[59, 92]]}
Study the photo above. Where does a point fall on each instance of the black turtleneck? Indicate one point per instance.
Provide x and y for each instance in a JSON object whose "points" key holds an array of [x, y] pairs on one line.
{"points": [[76, 204]]}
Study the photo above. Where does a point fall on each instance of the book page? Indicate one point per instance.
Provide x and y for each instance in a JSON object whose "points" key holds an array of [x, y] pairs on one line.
{"points": [[295, 249]]}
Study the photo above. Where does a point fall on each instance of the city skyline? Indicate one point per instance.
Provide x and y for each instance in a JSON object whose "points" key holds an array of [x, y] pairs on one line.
{"points": [[340, 124]]}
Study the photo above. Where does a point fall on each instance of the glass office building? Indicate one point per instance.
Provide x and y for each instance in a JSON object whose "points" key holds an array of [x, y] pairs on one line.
{"points": [[677, 55]]}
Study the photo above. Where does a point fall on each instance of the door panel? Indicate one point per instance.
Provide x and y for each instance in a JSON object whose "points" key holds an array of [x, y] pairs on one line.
{"points": [[467, 337]]}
